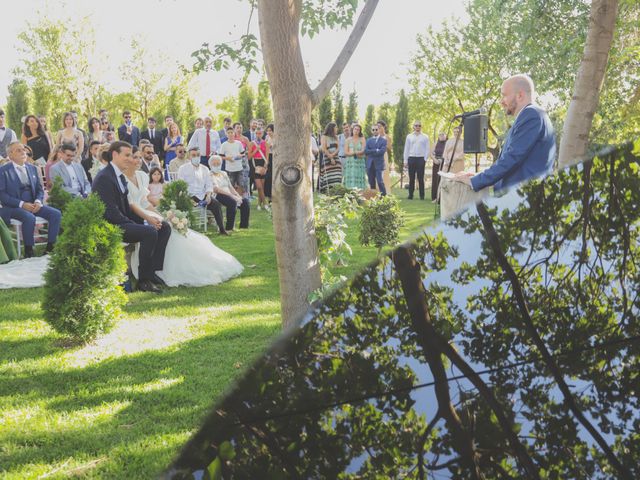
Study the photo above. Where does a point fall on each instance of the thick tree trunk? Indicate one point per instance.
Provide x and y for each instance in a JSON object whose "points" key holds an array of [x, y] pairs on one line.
{"points": [[296, 246], [586, 92]]}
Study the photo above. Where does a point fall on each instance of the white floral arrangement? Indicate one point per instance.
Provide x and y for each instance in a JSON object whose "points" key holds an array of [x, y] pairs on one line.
{"points": [[178, 219]]}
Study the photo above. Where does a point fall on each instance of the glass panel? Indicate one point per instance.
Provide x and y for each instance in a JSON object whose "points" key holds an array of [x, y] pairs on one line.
{"points": [[502, 344]]}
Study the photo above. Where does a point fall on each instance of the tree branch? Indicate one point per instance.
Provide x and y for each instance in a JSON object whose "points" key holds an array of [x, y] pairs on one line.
{"points": [[409, 272], [349, 48], [519, 297]]}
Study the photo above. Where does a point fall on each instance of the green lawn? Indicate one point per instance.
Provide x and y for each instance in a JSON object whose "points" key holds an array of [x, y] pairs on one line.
{"points": [[123, 406]]}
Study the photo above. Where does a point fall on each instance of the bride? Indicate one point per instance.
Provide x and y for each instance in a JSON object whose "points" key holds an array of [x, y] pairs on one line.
{"points": [[190, 260]]}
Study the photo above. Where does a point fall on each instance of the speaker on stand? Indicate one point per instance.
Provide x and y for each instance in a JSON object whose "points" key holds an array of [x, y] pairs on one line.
{"points": [[476, 128]]}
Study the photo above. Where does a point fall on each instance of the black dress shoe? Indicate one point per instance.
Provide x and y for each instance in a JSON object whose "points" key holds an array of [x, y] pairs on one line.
{"points": [[158, 281], [225, 233], [148, 286]]}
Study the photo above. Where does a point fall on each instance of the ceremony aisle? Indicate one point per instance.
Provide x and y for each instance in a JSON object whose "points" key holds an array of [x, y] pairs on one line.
{"points": [[123, 406]]}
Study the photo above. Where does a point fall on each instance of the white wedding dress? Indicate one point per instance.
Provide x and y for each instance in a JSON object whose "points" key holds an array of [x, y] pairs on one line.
{"points": [[190, 260], [25, 273]]}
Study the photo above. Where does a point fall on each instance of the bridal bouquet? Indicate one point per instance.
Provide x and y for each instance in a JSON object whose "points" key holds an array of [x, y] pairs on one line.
{"points": [[178, 219]]}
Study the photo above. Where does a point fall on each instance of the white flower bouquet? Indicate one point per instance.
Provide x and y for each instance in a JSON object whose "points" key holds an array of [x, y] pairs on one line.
{"points": [[178, 219]]}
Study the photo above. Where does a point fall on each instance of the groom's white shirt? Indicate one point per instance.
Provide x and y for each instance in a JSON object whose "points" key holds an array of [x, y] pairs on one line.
{"points": [[198, 179]]}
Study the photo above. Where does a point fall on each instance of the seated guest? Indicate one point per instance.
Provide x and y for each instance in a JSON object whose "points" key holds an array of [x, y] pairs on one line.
{"points": [[148, 155], [156, 186], [21, 197], [92, 164], [54, 157], [74, 178], [227, 196], [201, 189], [181, 158], [111, 186]]}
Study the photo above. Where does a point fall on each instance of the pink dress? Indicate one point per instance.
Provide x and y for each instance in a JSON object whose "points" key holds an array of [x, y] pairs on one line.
{"points": [[156, 190]]}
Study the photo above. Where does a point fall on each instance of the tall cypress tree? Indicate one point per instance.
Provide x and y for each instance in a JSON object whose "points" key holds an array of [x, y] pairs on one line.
{"points": [[325, 112], [400, 128], [352, 107], [245, 105], [263, 102], [369, 120], [338, 102], [17, 104]]}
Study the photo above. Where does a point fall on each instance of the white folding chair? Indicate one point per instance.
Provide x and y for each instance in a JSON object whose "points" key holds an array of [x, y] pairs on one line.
{"points": [[201, 215], [173, 176], [40, 239]]}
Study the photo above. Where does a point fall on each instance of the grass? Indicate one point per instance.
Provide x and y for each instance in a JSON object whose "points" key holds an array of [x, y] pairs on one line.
{"points": [[123, 406]]}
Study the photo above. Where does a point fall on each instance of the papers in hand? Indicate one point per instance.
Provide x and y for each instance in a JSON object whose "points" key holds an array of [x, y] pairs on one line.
{"points": [[448, 175]]}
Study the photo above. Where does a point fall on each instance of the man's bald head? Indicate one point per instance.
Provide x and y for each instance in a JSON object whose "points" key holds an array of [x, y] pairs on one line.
{"points": [[517, 92]]}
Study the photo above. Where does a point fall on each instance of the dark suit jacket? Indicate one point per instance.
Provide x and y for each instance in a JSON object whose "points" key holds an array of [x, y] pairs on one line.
{"points": [[10, 185], [117, 210], [133, 139], [529, 151], [375, 150], [157, 142]]}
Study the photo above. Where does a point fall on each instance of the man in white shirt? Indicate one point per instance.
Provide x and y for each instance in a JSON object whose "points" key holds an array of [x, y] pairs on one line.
{"points": [[7, 136], [198, 178], [342, 139], [207, 140], [74, 178], [416, 153], [232, 151]]}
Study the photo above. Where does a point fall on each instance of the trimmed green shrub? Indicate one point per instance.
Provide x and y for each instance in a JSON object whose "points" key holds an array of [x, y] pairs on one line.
{"points": [[380, 222], [82, 293], [177, 193], [58, 197]]}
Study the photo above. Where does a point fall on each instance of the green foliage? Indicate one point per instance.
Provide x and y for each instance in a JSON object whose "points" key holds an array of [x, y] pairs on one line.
{"points": [[244, 113], [400, 129], [380, 222], [58, 197], [82, 296], [338, 105], [330, 215], [352, 107], [263, 102], [17, 104], [176, 195], [325, 112], [369, 120]]}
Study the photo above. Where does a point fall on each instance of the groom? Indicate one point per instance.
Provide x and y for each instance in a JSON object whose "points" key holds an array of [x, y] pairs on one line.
{"points": [[110, 185]]}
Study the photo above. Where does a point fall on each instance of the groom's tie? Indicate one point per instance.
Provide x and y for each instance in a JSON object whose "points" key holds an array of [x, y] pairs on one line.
{"points": [[123, 179]]}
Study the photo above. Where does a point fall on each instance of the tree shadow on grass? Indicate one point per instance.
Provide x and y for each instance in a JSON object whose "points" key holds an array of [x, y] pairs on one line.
{"points": [[164, 392]]}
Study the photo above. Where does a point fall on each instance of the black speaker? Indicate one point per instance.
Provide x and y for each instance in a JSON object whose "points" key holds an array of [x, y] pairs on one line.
{"points": [[475, 133]]}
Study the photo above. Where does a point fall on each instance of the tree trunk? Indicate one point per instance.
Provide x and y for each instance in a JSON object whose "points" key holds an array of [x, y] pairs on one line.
{"points": [[586, 92], [296, 246]]}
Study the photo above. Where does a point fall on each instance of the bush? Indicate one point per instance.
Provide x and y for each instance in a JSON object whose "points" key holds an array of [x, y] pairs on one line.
{"points": [[58, 197], [380, 222], [82, 293], [177, 193]]}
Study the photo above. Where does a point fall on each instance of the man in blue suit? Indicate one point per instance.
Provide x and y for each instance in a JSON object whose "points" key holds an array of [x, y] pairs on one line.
{"points": [[374, 149], [530, 147], [21, 197]]}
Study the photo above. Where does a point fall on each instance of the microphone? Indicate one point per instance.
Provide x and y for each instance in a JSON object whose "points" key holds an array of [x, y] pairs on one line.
{"points": [[481, 110]]}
